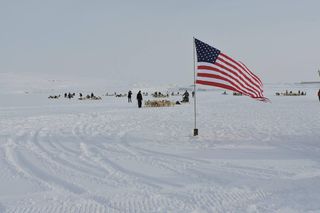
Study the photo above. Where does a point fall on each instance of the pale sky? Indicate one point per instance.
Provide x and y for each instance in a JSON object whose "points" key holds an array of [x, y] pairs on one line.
{"points": [[151, 41]]}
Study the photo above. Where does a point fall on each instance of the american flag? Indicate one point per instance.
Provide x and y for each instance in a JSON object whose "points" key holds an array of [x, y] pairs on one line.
{"points": [[215, 68]]}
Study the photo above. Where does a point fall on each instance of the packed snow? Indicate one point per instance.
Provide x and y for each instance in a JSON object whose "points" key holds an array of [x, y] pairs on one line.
{"points": [[61, 155]]}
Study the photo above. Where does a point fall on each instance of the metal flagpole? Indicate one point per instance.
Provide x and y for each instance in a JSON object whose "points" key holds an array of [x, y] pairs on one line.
{"points": [[195, 130]]}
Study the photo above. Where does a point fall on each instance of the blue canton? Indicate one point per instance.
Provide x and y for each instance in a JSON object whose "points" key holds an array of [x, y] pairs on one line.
{"points": [[206, 53]]}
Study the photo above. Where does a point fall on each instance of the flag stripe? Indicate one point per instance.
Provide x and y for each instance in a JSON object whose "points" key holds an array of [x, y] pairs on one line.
{"points": [[228, 86], [248, 79], [226, 81], [256, 77], [239, 75], [215, 68], [250, 73], [209, 83], [228, 76], [235, 74], [259, 82], [215, 80]]}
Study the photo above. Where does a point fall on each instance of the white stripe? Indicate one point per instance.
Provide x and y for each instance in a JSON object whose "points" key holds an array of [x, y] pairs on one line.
{"points": [[243, 74], [246, 73], [252, 74], [246, 82], [214, 80], [240, 87]]}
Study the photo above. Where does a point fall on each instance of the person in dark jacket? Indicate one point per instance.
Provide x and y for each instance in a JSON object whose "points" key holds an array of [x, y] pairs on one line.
{"points": [[185, 96], [318, 94], [139, 98], [129, 96]]}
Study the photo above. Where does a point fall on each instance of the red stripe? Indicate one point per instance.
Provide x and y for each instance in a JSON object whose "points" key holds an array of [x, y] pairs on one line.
{"points": [[259, 81], [216, 85], [250, 73], [257, 78], [226, 74], [207, 75], [224, 86], [245, 84], [255, 85], [241, 71]]}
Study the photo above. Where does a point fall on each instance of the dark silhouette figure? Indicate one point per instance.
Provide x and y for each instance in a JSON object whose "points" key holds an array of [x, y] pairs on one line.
{"points": [[80, 94], [319, 94], [185, 96], [139, 98], [129, 96]]}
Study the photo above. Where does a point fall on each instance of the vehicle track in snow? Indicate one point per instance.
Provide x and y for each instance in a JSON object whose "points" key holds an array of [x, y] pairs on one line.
{"points": [[105, 162]]}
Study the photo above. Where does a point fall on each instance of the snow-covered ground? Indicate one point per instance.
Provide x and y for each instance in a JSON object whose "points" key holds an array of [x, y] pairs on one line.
{"points": [[109, 156]]}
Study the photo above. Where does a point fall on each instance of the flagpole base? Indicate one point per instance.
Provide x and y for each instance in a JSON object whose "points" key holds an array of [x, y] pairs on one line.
{"points": [[195, 132]]}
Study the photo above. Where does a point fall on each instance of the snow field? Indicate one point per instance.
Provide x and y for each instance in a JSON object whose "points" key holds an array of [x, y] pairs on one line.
{"points": [[110, 156]]}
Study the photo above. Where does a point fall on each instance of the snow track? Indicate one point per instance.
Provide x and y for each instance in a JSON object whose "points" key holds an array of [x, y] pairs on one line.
{"points": [[145, 160]]}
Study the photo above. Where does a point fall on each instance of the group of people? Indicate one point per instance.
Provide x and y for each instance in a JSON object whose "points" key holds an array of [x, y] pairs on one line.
{"points": [[185, 97], [81, 96], [237, 94], [69, 95], [160, 95], [290, 93], [139, 98]]}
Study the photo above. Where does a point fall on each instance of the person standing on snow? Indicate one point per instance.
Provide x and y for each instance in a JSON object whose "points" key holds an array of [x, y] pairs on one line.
{"points": [[129, 96], [139, 98], [185, 96], [319, 94]]}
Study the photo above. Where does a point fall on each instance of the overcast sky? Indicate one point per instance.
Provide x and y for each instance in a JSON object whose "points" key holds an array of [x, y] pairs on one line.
{"points": [[151, 41]]}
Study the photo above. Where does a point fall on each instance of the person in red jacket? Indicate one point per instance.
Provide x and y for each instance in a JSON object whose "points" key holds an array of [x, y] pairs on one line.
{"points": [[319, 94]]}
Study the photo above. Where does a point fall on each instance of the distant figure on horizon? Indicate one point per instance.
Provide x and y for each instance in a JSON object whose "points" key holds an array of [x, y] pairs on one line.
{"points": [[319, 94], [129, 96], [139, 98]]}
